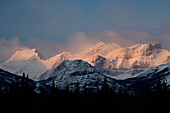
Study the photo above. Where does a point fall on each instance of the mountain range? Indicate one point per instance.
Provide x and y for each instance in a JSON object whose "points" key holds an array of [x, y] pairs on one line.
{"points": [[82, 86], [110, 59], [129, 68]]}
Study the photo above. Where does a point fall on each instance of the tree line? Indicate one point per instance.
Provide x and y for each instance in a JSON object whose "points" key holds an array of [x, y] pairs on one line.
{"points": [[22, 95]]}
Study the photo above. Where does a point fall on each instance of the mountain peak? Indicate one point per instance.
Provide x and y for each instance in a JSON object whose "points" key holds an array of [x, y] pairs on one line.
{"points": [[23, 54], [26, 54], [101, 44], [66, 53], [155, 45], [39, 54], [101, 49], [151, 46], [147, 46], [75, 71], [73, 65]]}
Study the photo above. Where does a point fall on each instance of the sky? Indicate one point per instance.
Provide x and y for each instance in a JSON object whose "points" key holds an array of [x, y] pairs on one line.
{"points": [[53, 26]]}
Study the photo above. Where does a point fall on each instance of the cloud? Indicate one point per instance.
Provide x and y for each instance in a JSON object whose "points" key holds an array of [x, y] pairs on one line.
{"points": [[9, 47], [79, 41], [47, 48], [124, 37]]}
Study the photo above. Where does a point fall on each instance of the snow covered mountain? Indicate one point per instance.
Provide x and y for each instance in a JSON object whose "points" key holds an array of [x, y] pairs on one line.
{"points": [[108, 58], [69, 74], [27, 61], [78, 74], [32, 62], [102, 64], [148, 79], [101, 48], [126, 62], [53, 62], [140, 55]]}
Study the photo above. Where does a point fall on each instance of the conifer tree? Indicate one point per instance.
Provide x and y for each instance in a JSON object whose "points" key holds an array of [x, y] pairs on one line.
{"points": [[161, 87], [23, 80], [53, 88], [158, 86], [1, 90], [23, 75], [27, 82], [27, 77], [67, 89], [77, 88], [104, 88]]}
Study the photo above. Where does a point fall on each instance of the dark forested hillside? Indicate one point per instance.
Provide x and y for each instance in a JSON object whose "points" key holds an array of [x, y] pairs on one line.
{"points": [[20, 94]]}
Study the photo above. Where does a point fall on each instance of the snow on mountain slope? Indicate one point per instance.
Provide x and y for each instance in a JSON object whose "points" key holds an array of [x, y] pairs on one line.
{"points": [[27, 61], [102, 64], [148, 79], [125, 62], [68, 73], [58, 59], [162, 70], [140, 55], [100, 48], [78, 72], [105, 57], [121, 74], [53, 62]]}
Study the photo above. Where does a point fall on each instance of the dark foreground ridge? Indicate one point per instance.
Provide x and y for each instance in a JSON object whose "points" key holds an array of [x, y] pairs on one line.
{"points": [[20, 94]]}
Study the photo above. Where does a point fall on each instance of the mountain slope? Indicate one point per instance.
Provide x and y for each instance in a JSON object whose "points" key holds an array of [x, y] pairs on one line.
{"points": [[100, 48], [140, 55], [27, 61], [102, 64], [30, 62], [53, 62], [148, 79], [69, 74], [108, 58], [8, 79]]}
